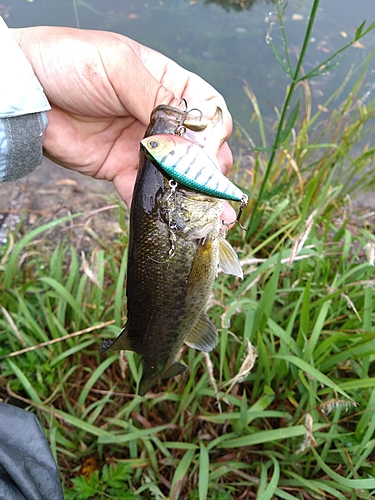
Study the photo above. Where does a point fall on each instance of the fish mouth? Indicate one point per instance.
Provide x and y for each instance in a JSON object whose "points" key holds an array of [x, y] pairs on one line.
{"points": [[185, 118]]}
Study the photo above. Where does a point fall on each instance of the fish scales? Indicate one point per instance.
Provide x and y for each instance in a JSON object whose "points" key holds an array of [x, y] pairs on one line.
{"points": [[166, 296], [173, 256]]}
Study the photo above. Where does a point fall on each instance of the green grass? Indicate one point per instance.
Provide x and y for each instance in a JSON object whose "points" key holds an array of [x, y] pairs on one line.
{"points": [[284, 406]]}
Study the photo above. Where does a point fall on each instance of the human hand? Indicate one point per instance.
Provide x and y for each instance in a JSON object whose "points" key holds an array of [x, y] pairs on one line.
{"points": [[102, 88]]}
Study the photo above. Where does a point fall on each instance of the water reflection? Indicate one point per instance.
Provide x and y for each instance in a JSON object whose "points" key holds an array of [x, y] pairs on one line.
{"points": [[236, 5]]}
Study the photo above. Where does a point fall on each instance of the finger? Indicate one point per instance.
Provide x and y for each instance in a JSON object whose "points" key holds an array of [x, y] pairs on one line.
{"points": [[228, 215], [183, 84], [137, 89], [225, 158], [124, 184]]}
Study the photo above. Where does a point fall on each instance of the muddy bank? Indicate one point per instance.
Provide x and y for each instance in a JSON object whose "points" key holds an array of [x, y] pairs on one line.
{"points": [[51, 192]]}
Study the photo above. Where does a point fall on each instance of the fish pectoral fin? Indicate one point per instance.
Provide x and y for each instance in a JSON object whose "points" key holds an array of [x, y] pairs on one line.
{"points": [[200, 267], [228, 259], [121, 343], [203, 336]]}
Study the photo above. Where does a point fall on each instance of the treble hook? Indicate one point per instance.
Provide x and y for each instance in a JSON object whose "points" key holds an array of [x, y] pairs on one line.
{"points": [[193, 109], [181, 129], [243, 205], [183, 100]]}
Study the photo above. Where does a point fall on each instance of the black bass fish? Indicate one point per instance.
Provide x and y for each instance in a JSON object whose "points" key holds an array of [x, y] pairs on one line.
{"points": [[176, 243]]}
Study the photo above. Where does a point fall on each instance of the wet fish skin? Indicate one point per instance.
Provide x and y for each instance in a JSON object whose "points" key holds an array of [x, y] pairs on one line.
{"points": [[174, 244], [181, 285], [190, 165]]}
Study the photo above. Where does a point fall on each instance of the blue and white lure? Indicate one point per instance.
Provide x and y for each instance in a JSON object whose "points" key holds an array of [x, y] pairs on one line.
{"points": [[189, 165]]}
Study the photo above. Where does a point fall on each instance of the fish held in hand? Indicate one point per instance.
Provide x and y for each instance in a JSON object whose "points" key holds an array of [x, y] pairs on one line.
{"points": [[176, 243]]}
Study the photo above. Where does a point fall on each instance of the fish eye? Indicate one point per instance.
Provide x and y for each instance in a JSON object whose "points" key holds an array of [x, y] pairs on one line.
{"points": [[153, 144]]}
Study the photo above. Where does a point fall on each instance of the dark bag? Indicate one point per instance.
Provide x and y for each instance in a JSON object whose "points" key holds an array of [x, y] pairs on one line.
{"points": [[27, 468]]}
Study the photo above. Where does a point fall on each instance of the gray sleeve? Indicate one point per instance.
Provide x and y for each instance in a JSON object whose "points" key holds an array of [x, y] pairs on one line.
{"points": [[21, 145], [23, 106], [27, 468]]}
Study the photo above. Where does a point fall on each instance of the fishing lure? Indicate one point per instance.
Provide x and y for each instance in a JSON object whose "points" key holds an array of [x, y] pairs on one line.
{"points": [[190, 165]]}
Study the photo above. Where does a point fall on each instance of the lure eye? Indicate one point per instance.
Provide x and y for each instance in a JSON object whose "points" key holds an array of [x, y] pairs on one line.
{"points": [[153, 144]]}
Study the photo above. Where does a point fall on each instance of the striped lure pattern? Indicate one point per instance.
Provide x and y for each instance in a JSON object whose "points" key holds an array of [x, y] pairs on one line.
{"points": [[187, 163]]}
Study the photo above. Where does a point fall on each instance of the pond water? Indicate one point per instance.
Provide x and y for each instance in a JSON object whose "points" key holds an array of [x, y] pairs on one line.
{"points": [[224, 41]]}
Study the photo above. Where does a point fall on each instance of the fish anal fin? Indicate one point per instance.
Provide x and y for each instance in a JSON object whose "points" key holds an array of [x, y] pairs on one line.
{"points": [[175, 369], [228, 259], [145, 385], [148, 381], [122, 342], [203, 336]]}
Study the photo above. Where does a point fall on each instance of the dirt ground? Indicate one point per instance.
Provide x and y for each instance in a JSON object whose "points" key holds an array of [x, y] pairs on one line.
{"points": [[51, 192]]}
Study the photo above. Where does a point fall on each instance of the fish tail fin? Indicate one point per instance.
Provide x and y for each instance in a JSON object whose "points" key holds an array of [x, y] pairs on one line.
{"points": [[121, 343], [105, 346], [148, 381]]}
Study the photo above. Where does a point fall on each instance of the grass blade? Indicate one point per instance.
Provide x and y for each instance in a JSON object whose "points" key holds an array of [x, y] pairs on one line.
{"points": [[313, 372], [204, 462]]}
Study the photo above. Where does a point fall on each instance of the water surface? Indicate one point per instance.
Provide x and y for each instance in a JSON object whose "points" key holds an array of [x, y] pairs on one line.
{"points": [[223, 43]]}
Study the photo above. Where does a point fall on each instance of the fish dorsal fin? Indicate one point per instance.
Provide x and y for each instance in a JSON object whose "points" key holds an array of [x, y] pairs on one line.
{"points": [[203, 335], [228, 259], [121, 343]]}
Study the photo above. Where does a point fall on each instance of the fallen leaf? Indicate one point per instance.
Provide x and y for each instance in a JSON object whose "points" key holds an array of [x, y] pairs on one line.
{"points": [[297, 17], [343, 34], [89, 273], [133, 16], [32, 218], [322, 108], [66, 182], [89, 466], [245, 368], [322, 47], [358, 45]]}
